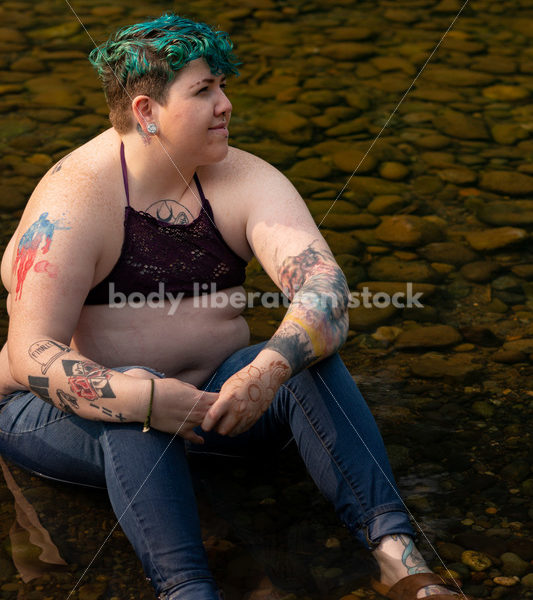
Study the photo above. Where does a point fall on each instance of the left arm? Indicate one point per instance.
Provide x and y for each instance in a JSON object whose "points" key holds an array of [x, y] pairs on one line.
{"points": [[289, 246]]}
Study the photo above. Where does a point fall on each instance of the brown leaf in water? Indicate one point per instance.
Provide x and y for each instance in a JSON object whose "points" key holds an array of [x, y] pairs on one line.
{"points": [[33, 551]]}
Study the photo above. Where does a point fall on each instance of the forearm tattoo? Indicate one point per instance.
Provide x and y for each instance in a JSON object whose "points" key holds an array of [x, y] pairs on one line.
{"points": [[87, 380], [316, 322]]}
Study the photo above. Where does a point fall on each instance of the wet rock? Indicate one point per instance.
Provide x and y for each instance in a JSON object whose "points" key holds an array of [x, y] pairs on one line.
{"points": [[434, 336], [450, 552], [393, 170], [527, 581], [314, 168], [500, 65], [433, 141], [348, 51], [288, 125], [506, 93], [389, 268], [28, 64], [347, 222], [524, 271], [508, 134], [513, 564], [479, 335], [477, 561], [436, 366], [458, 175], [378, 187], [492, 239], [510, 183], [461, 125], [525, 346], [408, 230], [420, 290], [480, 271], [427, 185], [387, 204], [92, 591], [447, 252], [365, 318], [350, 159], [508, 357], [512, 212], [341, 243], [483, 408], [63, 30], [456, 77]]}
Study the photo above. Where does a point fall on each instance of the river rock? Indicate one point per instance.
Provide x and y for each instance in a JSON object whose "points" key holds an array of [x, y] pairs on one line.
{"points": [[407, 231], [500, 65], [395, 287], [314, 168], [393, 170], [365, 318], [512, 212], [288, 125], [436, 366], [346, 222], [507, 134], [477, 561], [511, 183], [525, 346], [506, 92], [434, 336], [513, 564], [348, 51], [461, 125], [341, 243], [527, 581], [349, 160], [456, 77], [508, 357], [386, 204], [492, 239], [480, 271], [447, 252], [389, 268]]}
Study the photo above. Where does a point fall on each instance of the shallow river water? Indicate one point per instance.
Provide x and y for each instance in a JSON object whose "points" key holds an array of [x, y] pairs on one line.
{"points": [[413, 150]]}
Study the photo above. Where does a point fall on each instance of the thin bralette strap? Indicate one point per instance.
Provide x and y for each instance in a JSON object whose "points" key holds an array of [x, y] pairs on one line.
{"points": [[200, 190], [124, 172]]}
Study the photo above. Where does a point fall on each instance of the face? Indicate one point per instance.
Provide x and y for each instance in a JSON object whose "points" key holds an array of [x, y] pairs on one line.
{"points": [[194, 120]]}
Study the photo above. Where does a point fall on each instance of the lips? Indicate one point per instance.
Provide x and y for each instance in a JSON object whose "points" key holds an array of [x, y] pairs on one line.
{"points": [[219, 126]]}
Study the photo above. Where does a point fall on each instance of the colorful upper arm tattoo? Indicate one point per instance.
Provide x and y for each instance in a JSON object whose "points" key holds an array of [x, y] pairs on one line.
{"points": [[316, 322], [36, 240]]}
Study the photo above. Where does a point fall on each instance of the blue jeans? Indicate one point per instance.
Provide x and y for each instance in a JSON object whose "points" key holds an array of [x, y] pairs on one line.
{"points": [[147, 475]]}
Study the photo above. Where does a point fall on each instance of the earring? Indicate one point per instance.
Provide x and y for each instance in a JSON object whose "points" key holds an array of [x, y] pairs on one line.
{"points": [[152, 128]]}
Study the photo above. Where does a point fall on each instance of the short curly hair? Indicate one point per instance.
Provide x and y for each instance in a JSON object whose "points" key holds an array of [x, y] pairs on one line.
{"points": [[144, 59]]}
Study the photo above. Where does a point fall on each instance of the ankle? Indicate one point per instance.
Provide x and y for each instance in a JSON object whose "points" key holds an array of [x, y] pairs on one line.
{"points": [[398, 557]]}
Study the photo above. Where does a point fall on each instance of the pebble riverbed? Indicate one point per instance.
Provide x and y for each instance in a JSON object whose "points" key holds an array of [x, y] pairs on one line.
{"points": [[443, 200]]}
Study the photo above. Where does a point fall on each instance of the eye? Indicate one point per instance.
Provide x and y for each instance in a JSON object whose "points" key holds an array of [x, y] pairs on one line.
{"points": [[204, 89]]}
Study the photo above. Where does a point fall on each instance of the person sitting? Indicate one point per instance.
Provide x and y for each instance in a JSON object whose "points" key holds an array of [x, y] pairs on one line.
{"points": [[105, 386]]}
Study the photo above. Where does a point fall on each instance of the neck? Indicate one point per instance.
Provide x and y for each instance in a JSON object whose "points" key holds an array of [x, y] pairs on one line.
{"points": [[154, 174]]}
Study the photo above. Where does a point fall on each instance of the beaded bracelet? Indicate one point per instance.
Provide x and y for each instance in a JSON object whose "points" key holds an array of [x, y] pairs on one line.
{"points": [[147, 423]]}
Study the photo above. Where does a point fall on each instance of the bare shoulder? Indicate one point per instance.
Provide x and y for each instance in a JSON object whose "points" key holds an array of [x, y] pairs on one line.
{"points": [[252, 179], [76, 194]]}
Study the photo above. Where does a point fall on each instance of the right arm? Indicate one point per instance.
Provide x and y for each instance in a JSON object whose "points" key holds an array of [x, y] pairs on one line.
{"points": [[57, 247]]}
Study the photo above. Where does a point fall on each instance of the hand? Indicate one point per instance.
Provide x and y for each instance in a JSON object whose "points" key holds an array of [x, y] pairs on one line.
{"points": [[244, 397], [179, 407]]}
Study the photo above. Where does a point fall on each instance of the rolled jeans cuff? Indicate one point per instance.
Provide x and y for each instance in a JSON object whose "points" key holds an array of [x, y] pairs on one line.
{"points": [[387, 519]]}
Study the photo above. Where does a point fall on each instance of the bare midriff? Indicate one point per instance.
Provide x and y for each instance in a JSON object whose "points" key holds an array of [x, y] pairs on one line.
{"points": [[189, 344]]}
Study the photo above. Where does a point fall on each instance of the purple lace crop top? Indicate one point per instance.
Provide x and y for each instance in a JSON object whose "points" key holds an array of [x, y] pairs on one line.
{"points": [[182, 257]]}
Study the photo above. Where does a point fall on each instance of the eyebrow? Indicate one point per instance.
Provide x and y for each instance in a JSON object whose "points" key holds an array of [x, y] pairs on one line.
{"points": [[207, 80]]}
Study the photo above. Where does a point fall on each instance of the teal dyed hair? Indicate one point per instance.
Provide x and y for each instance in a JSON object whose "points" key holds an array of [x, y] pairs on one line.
{"points": [[144, 59]]}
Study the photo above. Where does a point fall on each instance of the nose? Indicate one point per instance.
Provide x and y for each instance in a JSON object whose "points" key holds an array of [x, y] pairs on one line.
{"points": [[223, 105]]}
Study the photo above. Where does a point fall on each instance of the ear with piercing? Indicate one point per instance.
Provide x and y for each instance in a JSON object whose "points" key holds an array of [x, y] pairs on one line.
{"points": [[151, 128]]}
